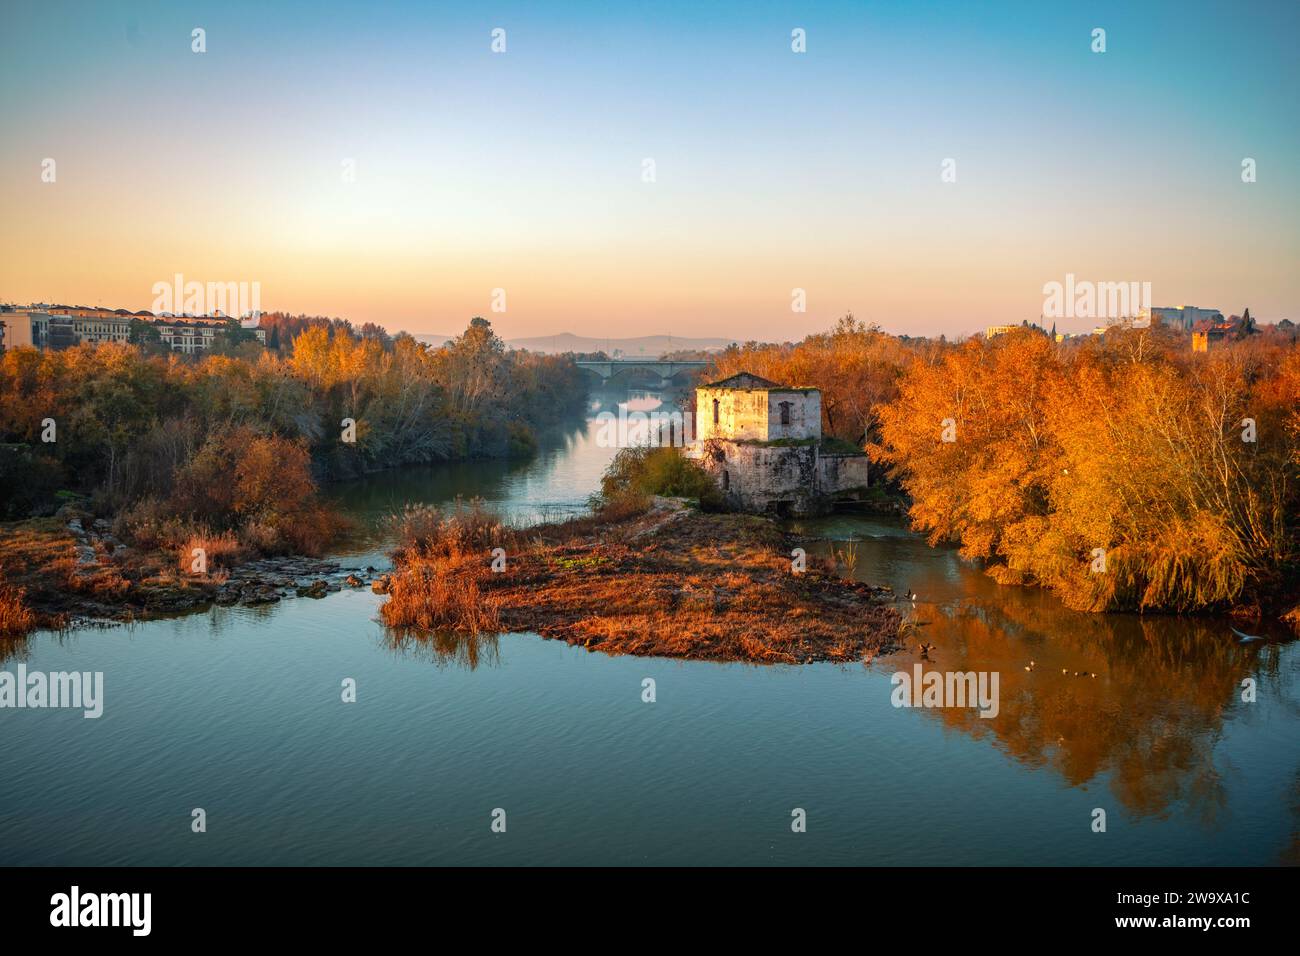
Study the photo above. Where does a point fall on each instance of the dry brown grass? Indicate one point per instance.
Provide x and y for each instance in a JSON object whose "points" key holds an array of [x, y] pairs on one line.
{"points": [[669, 584], [150, 567], [442, 594], [16, 618], [446, 555], [38, 561], [429, 532], [847, 556], [39, 557], [219, 551]]}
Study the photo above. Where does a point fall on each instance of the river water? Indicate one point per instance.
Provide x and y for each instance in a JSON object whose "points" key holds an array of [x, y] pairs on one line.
{"points": [[239, 712]]}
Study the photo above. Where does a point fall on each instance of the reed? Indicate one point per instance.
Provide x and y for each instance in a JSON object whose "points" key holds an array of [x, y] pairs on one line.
{"points": [[16, 618], [848, 556], [441, 594]]}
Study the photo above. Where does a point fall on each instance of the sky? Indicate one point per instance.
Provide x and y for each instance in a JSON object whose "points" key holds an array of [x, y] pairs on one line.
{"points": [[526, 170]]}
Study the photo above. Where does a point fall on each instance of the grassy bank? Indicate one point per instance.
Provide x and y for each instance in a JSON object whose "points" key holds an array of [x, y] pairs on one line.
{"points": [[662, 580], [63, 571]]}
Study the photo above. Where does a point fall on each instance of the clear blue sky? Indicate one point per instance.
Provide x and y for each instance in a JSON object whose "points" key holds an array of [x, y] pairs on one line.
{"points": [[774, 170]]}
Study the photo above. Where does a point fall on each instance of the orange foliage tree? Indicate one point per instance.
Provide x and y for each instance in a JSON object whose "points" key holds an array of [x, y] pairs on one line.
{"points": [[1121, 473], [856, 366]]}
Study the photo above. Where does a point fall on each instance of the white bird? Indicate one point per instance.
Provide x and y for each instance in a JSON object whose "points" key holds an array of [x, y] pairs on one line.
{"points": [[1245, 638]]}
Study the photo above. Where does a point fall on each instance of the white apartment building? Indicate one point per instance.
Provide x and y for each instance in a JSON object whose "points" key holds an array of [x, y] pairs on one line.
{"points": [[61, 326], [197, 334], [21, 327]]}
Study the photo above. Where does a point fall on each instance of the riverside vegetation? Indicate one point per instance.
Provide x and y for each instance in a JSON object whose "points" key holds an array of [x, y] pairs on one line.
{"points": [[1179, 471], [145, 457], [642, 575], [1037, 457]]}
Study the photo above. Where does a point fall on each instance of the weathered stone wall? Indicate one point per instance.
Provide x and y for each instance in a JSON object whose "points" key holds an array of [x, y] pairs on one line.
{"points": [[764, 477], [794, 479], [754, 414], [805, 414], [742, 413], [837, 473]]}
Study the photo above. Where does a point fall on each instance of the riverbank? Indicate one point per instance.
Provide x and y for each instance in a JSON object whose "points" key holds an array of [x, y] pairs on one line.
{"points": [[667, 582], [68, 570]]}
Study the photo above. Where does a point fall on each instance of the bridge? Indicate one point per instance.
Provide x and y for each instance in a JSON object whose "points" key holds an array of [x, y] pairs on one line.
{"points": [[669, 372]]}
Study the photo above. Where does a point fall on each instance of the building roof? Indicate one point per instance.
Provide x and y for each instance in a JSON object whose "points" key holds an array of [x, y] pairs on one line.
{"points": [[745, 380]]}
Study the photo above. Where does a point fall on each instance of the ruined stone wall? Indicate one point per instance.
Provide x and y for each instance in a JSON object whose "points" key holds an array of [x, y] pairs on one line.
{"points": [[838, 473], [742, 413], [764, 477], [794, 479], [805, 414], [746, 414]]}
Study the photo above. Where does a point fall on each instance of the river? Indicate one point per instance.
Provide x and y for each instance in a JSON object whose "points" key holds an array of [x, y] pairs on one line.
{"points": [[239, 712]]}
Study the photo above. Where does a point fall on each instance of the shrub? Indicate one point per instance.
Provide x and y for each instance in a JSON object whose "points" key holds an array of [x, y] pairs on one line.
{"points": [[219, 551], [428, 531], [16, 618], [256, 488], [27, 482], [150, 524], [637, 473], [310, 532], [438, 594]]}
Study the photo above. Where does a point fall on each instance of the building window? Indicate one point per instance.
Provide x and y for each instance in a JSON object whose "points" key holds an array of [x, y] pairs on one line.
{"points": [[715, 411], [785, 413]]}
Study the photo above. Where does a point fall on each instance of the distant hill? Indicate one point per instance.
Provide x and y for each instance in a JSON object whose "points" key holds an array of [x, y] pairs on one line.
{"points": [[645, 345], [432, 339]]}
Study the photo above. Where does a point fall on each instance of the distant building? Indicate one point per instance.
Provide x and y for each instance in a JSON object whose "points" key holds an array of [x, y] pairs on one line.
{"points": [[192, 335], [1184, 317], [1209, 333], [24, 327], [994, 330], [92, 325], [763, 444], [63, 326]]}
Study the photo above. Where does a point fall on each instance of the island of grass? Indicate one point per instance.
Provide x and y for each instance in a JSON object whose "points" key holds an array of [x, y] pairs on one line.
{"points": [[654, 577]]}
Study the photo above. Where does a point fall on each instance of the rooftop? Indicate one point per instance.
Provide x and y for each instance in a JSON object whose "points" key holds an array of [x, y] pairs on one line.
{"points": [[745, 380]]}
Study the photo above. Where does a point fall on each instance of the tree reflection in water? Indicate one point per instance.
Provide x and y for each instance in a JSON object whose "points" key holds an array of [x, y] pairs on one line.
{"points": [[1150, 717]]}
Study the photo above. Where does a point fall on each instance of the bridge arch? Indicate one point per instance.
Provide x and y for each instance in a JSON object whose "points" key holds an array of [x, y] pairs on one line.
{"points": [[640, 371]]}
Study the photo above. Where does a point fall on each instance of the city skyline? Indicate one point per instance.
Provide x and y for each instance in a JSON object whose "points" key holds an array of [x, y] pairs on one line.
{"points": [[773, 171]]}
